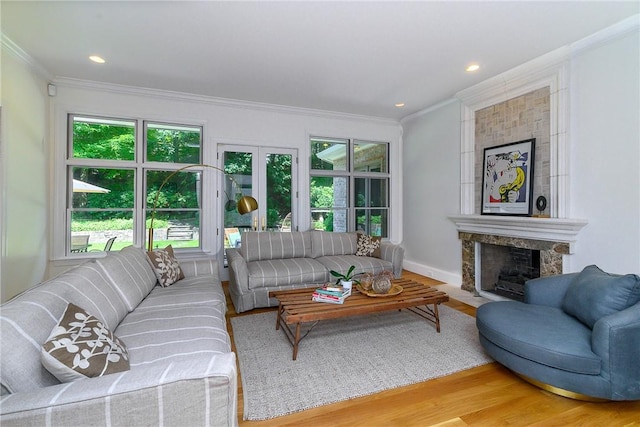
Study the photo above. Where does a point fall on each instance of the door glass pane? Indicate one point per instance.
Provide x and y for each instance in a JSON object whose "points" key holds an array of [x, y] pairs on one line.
{"points": [[329, 197], [279, 191], [329, 154], [173, 144], [177, 208], [101, 209], [369, 157], [239, 170]]}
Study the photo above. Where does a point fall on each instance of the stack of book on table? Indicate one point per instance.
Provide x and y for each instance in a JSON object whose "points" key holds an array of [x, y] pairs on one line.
{"points": [[333, 294]]}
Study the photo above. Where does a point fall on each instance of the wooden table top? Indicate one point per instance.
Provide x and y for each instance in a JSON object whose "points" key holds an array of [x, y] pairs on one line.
{"points": [[297, 306]]}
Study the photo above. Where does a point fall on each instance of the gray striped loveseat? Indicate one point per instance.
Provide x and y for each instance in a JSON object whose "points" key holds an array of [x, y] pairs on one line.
{"points": [[269, 261], [182, 371]]}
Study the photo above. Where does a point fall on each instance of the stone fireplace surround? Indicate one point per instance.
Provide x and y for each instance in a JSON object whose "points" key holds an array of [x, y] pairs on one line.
{"points": [[553, 237]]}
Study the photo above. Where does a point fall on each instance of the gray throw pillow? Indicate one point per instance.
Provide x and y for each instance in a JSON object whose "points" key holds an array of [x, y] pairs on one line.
{"points": [[594, 294]]}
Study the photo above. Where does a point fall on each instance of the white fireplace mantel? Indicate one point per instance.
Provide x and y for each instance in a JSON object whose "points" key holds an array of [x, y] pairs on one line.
{"points": [[550, 229]]}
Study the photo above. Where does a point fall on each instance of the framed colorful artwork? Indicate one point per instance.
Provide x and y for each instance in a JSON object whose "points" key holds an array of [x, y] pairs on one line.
{"points": [[507, 179]]}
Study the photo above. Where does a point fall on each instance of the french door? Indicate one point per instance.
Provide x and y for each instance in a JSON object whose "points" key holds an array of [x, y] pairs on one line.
{"points": [[267, 174]]}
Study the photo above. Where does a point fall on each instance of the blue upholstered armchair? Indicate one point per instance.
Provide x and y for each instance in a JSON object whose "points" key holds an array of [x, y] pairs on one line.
{"points": [[577, 335]]}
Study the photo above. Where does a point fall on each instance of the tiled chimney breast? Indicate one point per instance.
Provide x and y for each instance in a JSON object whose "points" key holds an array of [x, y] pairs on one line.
{"points": [[526, 116], [531, 102]]}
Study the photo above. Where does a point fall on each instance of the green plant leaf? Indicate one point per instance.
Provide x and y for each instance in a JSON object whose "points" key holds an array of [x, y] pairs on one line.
{"points": [[336, 274], [353, 267]]}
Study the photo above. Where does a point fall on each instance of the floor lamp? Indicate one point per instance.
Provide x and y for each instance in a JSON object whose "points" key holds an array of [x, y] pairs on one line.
{"points": [[244, 205]]}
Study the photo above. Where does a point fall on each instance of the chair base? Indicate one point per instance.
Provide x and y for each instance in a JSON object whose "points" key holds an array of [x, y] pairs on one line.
{"points": [[560, 391]]}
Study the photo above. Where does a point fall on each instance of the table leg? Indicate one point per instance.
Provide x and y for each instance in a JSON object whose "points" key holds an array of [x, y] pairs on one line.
{"points": [[279, 317], [427, 313], [296, 340]]}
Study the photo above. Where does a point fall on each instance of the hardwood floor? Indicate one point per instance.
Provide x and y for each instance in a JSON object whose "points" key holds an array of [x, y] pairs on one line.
{"points": [[489, 395]]}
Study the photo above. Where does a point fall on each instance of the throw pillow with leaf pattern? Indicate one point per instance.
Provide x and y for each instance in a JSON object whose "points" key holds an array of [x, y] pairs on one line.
{"points": [[166, 266], [368, 245], [81, 346]]}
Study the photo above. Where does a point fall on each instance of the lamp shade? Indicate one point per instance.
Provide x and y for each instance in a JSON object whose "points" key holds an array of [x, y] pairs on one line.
{"points": [[247, 204]]}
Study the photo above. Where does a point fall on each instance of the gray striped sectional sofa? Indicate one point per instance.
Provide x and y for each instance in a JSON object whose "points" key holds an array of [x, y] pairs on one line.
{"points": [[182, 371], [269, 261]]}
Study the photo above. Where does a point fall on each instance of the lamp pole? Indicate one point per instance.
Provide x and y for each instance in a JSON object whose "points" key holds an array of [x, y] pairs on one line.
{"points": [[244, 205]]}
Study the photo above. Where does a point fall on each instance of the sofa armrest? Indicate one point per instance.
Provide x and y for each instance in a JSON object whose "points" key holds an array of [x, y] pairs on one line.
{"points": [[238, 271], [201, 391], [548, 291], [193, 267], [394, 254], [616, 339]]}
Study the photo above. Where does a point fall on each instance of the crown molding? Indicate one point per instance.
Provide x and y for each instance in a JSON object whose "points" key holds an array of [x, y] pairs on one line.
{"points": [[538, 69], [428, 110], [212, 100], [602, 37], [516, 81], [9, 46]]}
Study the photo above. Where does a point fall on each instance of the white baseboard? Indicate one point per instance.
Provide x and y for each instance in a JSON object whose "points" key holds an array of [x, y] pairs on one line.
{"points": [[434, 273]]}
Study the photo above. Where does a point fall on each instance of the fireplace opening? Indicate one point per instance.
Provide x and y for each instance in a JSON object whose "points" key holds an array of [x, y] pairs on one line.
{"points": [[505, 269]]}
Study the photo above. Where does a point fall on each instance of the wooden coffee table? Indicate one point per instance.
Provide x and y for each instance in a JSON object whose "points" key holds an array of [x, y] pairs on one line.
{"points": [[295, 307]]}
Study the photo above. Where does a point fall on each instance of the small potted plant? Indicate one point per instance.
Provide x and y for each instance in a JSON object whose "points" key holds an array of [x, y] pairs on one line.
{"points": [[345, 279]]}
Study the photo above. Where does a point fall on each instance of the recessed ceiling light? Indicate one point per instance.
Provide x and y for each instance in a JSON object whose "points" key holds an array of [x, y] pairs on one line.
{"points": [[473, 67], [400, 104], [97, 59]]}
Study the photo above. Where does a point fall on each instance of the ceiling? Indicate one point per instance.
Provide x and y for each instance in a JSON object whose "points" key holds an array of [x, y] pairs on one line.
{"points": [[352, 57]]}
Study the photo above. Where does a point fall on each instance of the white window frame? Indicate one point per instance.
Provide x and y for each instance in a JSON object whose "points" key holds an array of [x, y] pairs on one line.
{"points": [[61, 184], [351, 175]]}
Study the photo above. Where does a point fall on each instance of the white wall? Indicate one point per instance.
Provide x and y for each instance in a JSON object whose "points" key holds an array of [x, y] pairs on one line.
{"points": [[225, 122], [23, 164], [431, 179], [604, 167], [605, 161]]}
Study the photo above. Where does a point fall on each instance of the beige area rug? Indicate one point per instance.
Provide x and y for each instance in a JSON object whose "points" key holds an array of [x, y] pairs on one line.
{"points": [[346, 358]]}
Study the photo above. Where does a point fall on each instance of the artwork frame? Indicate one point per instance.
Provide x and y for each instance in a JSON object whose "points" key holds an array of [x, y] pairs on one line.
{"points": [[507, 179]]}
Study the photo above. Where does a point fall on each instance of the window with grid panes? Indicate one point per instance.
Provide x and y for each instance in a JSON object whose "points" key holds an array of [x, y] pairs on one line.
{"points": [[114, 168], [349, 185]]}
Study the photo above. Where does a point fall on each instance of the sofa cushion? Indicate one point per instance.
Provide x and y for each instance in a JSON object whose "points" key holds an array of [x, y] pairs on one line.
{"points": [[264, 246], [363, 264], [285, 272], [368, 245], [206, 266], [175, 322], [165, 266], [543, 334], [27, 320], [87, 286], [594, 294], [325, 243], [130, 272], [81, 346]]}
